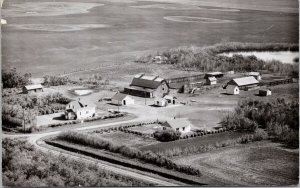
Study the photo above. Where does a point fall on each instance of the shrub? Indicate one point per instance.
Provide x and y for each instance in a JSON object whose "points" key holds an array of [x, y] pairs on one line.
{"points": [[166, 135]]}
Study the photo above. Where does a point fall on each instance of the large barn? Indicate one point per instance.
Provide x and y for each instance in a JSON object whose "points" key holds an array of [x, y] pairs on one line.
{"points": [[79, 110], [147, 86], [244, 82]]}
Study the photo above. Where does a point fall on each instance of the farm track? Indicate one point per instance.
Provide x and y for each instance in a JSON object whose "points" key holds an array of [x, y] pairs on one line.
{"points": [[36, 140]]}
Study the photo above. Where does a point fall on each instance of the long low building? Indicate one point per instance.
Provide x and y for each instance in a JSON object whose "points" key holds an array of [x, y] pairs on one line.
{"points": [[244, 82], [147, 86]]}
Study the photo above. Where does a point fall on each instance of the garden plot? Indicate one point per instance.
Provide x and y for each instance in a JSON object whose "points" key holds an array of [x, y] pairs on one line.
{"points": [[146, 129], [128, 139]]}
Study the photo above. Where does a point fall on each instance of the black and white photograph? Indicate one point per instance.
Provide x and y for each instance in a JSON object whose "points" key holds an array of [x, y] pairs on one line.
{"points": [[150, 93]]}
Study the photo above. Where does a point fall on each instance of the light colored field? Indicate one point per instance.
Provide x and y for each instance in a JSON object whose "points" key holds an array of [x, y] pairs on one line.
{"points": [[58, 27], [120, 138], [196, 19], [46, 8], [255, 164]]}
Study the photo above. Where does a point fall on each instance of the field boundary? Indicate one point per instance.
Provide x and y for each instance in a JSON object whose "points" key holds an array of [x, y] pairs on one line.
{"points": [[115, 160]]}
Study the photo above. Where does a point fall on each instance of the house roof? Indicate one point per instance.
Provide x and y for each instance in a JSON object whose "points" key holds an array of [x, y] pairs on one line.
{"points": [[80, 104], [34, 86], [254, 73], [147, 81], [119, 96], [245, 81], [177, 123], [212, 78]]}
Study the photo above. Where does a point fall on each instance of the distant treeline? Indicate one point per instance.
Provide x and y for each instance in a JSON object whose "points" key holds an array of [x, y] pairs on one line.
{"points": [[12, 79], [207, 59], [278, 118], [24, 166]]}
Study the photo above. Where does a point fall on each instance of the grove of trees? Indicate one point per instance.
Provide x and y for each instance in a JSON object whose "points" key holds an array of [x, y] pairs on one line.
{"points": [[278, 118], [12, 79], [25, 166]]}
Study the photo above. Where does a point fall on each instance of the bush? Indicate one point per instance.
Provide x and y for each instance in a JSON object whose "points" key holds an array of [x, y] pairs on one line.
{"points": [[167, 135], [260, 134]]}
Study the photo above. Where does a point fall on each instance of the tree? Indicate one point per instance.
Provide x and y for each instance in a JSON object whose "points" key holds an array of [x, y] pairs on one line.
{"points": [[12, 79]]}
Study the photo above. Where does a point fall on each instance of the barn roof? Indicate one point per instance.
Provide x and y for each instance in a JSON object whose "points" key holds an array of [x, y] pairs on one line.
{"points": [[214, 73], [34, 86], [254, 73], [119, 96], [177, 123], [245, 81], [212, 78], [147, 81]]}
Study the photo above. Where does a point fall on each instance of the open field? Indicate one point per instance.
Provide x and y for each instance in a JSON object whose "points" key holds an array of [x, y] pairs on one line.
{"points": [[254, 164], [133, 31]]}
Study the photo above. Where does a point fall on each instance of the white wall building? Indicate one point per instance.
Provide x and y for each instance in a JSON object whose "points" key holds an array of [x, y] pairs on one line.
{"points": [[122, 99], [79, 110]]}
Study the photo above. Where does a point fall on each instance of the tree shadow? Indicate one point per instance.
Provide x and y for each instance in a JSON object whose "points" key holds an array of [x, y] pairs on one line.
{"points": [[226, 93], [62, 117]]}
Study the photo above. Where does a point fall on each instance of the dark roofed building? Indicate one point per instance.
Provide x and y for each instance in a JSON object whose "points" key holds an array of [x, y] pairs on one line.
{"points": [[214, 74], [147, 86], [32, 88]]}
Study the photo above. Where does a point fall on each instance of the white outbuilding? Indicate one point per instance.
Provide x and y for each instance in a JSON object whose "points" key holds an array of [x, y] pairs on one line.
{"points": [[122, 99], [232, 89]]}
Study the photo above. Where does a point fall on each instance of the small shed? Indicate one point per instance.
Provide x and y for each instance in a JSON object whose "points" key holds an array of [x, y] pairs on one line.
{"points": [[233, 90], [162, 102], [32, 89], [256, 75], [265, 92], [211, 80], [122, 99], [170, 99], [181, 125]]}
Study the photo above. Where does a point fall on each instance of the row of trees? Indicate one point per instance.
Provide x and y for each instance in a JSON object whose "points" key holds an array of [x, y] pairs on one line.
{"points": [[132, 153], [207, 59], [279, 118], [23, 165]]}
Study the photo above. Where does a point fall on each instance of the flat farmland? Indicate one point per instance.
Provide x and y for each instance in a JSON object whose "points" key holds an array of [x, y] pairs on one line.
{"points": [[254, 164], [52, 37]]}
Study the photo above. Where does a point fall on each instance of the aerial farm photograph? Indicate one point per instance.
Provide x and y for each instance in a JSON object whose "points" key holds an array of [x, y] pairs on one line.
{"points": [[144, 93]]}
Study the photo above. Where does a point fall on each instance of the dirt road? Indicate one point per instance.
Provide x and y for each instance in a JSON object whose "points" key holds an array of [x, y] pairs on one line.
{"points": [[36, 140]]}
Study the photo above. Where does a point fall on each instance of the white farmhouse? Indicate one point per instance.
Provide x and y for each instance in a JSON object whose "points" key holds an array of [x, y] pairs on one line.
{"points": [[182, 125], [79, 110], [232, 89]]}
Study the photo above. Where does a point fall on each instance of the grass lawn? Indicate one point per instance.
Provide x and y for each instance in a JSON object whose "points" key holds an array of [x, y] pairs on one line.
{"points": [[146, 129], [121, 138], [255, 164], [201, 140]]}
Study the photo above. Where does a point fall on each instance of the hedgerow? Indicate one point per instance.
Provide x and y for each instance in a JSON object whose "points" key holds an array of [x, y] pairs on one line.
{"points": [[146, 156]]}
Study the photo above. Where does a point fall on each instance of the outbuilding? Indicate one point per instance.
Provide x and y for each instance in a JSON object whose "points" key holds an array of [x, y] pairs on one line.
{"points": [[256, 75], [232, 90], [181, 125], [211, 80], [122, 99], [214, 74], [265, 92], [79, 110], [29, 89], [244, 82]]}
